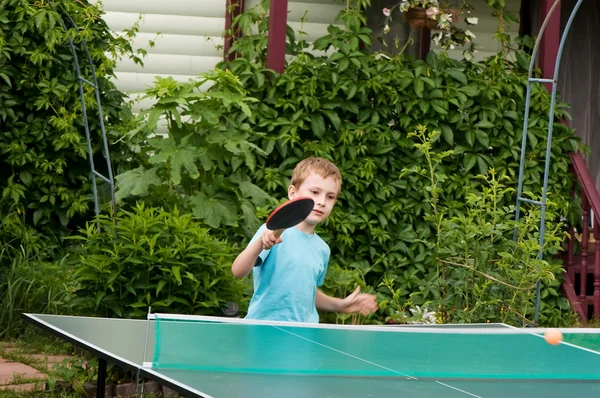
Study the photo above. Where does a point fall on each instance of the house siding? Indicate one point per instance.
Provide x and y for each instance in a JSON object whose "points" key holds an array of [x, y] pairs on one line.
{"points": [[187, 35]]}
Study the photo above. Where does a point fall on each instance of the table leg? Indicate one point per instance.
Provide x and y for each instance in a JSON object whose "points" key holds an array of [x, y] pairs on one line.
{"points": [[101, 386]]}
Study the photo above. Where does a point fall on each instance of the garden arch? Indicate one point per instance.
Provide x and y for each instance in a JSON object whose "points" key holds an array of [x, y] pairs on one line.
{"points": [[553, 83]]}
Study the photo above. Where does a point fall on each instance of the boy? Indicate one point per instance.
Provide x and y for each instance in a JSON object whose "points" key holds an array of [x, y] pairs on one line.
{"points": [[287, 271]]}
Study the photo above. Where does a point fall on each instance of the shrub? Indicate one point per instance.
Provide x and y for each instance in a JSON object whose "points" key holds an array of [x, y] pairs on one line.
{"points": [[360, 109], [154, 258], [44, 162], [206, 162]]}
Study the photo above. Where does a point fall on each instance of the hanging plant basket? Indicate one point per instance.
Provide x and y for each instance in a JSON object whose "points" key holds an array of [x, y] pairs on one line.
{"points": [[418, 19]]}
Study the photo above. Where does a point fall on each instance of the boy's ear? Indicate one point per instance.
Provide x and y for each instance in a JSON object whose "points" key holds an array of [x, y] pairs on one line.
{"points": [[292, 192]]}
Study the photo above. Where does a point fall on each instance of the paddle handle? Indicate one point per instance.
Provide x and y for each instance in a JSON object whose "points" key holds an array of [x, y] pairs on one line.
{"points": [[278, 232]]}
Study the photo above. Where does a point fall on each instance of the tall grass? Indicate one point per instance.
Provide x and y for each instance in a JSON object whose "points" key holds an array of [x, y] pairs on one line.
{"points": [[30, 278], [31, 286]]}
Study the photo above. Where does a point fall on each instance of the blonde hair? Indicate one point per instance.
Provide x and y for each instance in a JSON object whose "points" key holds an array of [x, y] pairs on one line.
{"points": [[319, 166]]}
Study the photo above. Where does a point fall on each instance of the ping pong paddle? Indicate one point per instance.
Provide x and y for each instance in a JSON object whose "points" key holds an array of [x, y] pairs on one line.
{"points": [[288, 214]]}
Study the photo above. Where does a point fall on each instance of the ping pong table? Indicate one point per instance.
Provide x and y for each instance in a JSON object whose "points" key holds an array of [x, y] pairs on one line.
{"points": [[223, 357]]}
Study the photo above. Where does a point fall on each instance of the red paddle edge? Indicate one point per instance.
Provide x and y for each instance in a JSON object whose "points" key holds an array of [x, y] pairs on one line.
{"points": [[286, 203]]}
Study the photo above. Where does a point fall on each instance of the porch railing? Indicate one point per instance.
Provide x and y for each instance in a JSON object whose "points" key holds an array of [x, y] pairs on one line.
{"points": [[581, 284]]}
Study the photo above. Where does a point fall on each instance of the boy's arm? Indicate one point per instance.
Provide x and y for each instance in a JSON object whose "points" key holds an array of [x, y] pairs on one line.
{"points": [[327, 303], [356, 302], [246, 260]]}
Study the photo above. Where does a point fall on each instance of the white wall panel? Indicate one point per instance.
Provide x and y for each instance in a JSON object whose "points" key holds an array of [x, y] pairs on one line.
{"points": [[194, 8], [186, 36], [168, 24]]}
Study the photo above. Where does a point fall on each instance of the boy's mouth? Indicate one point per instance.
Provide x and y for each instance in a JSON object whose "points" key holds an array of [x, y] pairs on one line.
{"points": [[319, 212]]}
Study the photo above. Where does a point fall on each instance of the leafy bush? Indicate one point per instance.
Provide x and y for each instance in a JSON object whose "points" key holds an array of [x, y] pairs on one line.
{"points": [[44, 163], [360, 109], [487, 264], [154, 258], [205, 164]]}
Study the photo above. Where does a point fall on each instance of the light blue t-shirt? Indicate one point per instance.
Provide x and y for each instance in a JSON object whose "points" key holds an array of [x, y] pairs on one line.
{"points": [[286, 277]]}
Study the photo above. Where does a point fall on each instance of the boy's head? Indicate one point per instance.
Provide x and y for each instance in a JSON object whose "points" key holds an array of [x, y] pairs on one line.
{"points": [[319, 179]]}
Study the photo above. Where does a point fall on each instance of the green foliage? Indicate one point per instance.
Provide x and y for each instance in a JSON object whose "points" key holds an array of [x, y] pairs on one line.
{"points": [[228, 151], [30, 281], [154, 258], [205, 162], [358, 109], [44, 165], [487, 262]]}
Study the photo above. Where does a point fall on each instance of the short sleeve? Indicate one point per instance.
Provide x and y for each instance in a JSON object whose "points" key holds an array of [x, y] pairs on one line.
{"points": [[263, 254], [321, 278]]}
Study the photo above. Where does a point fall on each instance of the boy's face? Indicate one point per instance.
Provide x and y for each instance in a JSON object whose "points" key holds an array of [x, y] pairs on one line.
{"points": [[323, 191]]}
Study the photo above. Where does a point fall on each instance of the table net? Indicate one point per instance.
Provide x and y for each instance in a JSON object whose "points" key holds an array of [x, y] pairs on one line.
{"points": [[438, 353]]}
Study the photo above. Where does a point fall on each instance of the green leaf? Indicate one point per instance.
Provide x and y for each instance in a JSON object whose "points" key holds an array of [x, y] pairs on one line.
{"points": [[343, 65], [482, 138], [317, 124], [215, 211], [333, 118], [177, 157], [5, 77], [177, 273], [469, 161], [469, 91], [37, 216], [26, 178], [250, 190], [135, 182], [39, 18], [159, 287], [458, 75], [470, 137], [419, 87], [447, 133], [484, 124]]}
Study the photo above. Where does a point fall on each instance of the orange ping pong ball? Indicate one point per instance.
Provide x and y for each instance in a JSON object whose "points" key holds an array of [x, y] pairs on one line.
{"points": [[553, 336]]}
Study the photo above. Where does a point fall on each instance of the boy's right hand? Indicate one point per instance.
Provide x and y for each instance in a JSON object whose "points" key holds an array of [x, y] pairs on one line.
{"points": [[269, 239]]}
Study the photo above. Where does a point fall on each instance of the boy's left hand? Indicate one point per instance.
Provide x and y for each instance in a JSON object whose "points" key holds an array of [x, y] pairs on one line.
{"points": [[362, 303]]}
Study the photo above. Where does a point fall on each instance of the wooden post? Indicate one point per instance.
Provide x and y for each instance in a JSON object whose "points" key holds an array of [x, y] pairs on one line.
{"points": [[277, 35], [585, 234], [233, 9], [550, 42], [597, 268], [425, 46]]}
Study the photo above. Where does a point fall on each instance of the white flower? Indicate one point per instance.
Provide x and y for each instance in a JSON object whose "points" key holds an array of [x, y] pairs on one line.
{"points": [[468, 33], [386, 29], [424, 314], [386, 12], [432, 11], [404, 6], [472, 20]]}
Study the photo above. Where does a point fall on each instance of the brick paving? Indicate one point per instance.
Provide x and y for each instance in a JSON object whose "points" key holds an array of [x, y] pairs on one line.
{"points": [[22, 377]]}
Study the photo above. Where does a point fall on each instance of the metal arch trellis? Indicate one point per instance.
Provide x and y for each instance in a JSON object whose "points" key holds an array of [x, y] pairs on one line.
{"points": [[94, 84], [553, 82]]}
